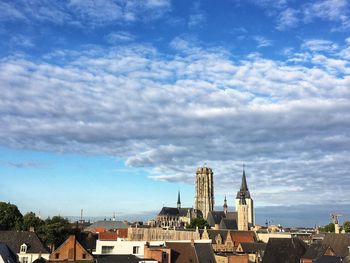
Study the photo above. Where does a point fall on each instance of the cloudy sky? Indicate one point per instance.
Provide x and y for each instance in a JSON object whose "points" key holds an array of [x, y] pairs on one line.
{"points": [[110, 105]]}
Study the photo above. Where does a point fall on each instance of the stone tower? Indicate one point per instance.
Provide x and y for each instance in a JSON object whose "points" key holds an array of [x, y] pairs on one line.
{"points": [[204, 196], [245, 192], [242, 213]]}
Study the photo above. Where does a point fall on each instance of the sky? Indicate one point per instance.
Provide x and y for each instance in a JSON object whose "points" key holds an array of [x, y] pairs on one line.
{"points": [[110, 106]]}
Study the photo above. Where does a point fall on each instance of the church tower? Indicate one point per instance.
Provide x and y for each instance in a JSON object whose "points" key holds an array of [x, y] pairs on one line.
{"points": [[225, 206], [242, 213], [204, 195], [243, 191], [178, 200]]}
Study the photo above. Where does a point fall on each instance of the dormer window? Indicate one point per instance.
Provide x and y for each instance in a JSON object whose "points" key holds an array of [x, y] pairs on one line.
{"points": [[23, 248]]}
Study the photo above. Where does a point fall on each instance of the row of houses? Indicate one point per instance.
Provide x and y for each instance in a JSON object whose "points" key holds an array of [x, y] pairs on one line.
{"points": [[141, 244]]}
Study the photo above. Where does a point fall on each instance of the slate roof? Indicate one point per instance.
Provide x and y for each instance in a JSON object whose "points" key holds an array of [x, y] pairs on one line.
{"points": [[284, 250], [174, 211], [228, 224], [252, 248], [338, 242], [40, 260], [329, 259], [118, 258], [315, 251], [6, 254], [216, 217], [14, 239], [108, 225], [205, 253], [87, 240], [244, 188]]}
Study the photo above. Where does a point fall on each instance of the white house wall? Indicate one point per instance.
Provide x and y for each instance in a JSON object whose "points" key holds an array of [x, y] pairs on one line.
{"points": [[123, 247]]}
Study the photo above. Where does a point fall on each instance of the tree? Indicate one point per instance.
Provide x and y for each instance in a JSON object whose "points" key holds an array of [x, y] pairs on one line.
{"points": [[56, 230], [328, 228], [200, 222], [10, 217], [346, 226], [31, 220]]}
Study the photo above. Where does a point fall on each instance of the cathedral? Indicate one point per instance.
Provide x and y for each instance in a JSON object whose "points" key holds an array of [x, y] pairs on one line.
{"points": [[241, 219]]}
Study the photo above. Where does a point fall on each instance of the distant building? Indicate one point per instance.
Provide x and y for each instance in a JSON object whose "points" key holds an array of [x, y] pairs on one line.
{"points": [[178, 217], [25, 244], [204, 192], [105, 226]]}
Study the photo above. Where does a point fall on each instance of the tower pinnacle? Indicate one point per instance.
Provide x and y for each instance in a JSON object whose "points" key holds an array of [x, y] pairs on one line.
{"points": [[178, 200]]}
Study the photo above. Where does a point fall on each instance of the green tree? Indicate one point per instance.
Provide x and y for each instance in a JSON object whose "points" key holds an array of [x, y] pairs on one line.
{"points": [[200, 222], [328, 228], [346, 226], [10, 217], [55, 231], [31, 220]]}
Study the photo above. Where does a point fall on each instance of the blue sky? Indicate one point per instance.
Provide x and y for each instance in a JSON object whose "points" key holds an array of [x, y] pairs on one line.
{"points": [[111, 105]]}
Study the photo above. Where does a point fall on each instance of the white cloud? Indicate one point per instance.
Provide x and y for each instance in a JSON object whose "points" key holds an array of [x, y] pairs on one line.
{"points": [[288, 122], [333, 10], [83, 13], [317, 45], [120, 36], [288, 18], [262, 41]]}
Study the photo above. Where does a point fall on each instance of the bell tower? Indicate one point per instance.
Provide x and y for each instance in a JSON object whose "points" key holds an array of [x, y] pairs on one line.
{"points": [[243, 191], [204, 195]]}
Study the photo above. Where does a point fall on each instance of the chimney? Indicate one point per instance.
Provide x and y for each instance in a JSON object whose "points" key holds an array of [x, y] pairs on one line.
{"points": [[31, 229]]}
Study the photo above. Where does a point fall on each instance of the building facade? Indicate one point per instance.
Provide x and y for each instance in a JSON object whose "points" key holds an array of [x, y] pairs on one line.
{"points": [[204, 192]]}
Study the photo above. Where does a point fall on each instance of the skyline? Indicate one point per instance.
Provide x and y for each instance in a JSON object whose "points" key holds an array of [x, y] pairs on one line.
{"points": [[110, 106]]}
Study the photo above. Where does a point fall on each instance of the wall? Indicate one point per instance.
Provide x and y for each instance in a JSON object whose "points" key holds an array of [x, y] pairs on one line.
{"points": [[123, 247], [266, 236], [32, 257], [70, 250]]}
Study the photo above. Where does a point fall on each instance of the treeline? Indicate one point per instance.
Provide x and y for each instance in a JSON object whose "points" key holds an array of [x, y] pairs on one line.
{"points": [[331, 228], [51, 231]]}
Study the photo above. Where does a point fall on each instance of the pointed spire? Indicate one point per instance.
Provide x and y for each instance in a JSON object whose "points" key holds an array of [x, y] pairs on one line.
{"points": [[244, 186], [225, 205], [178, 200]]}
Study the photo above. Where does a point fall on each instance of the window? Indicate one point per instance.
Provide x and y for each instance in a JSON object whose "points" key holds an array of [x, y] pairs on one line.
{"points": [[57, 255], [107, 249], [24, 260], [84, 256], [135, 249], [23, 248]]}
